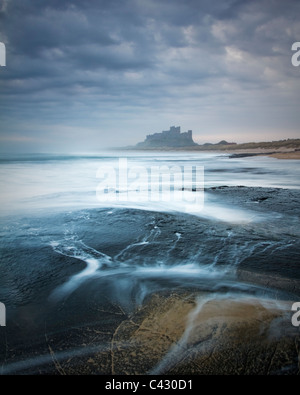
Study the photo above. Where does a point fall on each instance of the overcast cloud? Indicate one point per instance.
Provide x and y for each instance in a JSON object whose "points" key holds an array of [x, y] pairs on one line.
{"points": [[84, 75]]}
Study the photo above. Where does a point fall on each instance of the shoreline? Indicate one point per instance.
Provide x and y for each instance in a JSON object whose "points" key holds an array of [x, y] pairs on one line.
{"points": [[278, 154], [281, 153], [286, 155]]}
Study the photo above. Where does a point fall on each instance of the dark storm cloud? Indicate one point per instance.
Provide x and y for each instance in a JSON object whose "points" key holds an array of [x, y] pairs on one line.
{"points": [[100, 62]]}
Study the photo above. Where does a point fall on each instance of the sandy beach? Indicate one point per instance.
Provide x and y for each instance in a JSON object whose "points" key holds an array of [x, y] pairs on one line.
{"points": [[280, 153], [286, 155]]}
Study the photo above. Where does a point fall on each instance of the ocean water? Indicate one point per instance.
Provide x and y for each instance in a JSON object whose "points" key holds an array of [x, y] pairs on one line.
{"points": [[40, 181], [67, 250]]}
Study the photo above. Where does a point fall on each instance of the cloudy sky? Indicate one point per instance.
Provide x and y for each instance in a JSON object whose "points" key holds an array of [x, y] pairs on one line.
{"points": [[85, 75]]}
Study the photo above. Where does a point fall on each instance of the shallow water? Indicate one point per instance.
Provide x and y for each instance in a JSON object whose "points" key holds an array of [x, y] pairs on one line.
{"points": [[65, 256], [35, 182]]}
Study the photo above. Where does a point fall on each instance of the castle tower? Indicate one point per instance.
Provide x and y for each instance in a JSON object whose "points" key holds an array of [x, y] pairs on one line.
{"points": [[175, 129]]}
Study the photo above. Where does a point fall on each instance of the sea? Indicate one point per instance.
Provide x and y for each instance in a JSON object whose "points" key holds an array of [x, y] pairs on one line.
{"points": [[83, 233]]}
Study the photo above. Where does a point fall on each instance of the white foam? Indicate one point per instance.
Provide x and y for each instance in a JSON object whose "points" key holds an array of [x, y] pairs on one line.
{"points": [[71, 183]]}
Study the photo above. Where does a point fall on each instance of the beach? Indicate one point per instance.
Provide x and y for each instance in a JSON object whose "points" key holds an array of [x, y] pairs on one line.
{"points": [[287, 155]]}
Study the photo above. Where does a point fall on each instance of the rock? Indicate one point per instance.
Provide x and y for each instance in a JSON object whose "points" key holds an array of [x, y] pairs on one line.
{"points": [[186, 333]]}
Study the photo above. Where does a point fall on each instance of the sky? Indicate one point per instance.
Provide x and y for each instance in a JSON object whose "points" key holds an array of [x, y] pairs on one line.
{"points": [[81, 76]]}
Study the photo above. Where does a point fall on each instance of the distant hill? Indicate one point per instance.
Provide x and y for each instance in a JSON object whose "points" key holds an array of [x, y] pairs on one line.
{"points": [[290, 144], [222, 142]]}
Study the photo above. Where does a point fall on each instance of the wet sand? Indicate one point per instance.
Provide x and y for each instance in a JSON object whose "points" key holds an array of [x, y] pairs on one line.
{"points": [[286, 155], [276, 153]]}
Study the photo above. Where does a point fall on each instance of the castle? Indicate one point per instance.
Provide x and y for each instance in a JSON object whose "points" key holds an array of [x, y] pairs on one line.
{"points": [[168, 138]]}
